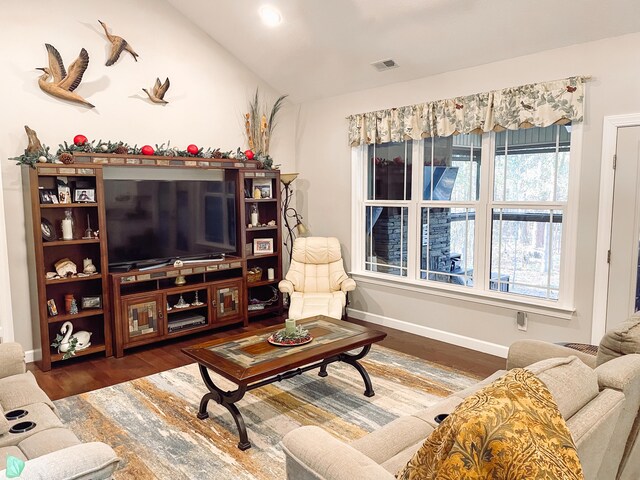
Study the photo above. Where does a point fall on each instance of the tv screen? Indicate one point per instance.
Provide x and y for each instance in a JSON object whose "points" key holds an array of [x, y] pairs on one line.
{"points": [[154, 220]]}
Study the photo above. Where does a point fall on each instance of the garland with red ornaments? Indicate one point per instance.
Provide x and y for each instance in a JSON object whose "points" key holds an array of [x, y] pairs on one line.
{"points": [[82, 144]]}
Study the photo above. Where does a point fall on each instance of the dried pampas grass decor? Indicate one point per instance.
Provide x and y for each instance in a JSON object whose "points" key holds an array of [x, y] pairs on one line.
{"points": [[260, 123]]}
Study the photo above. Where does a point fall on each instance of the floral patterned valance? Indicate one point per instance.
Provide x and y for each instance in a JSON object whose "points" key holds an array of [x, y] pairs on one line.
{"points": [[533, 105]]}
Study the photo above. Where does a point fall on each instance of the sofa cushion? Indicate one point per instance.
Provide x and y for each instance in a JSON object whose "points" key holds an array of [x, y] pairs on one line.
{"points": [[512, 425], [570, 381], [305, 305], [622, 340], [18, 391], [13, 451], [386, 442], [399, 460], [11, 359], [47, 441], [41, 415]]}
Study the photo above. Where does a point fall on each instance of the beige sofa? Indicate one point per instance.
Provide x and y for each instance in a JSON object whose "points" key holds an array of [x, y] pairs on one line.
{"points": [[50, 450], [600, 406]]}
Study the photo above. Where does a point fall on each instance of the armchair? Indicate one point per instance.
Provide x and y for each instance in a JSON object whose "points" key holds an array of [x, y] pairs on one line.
{"points": [[316, 281]]}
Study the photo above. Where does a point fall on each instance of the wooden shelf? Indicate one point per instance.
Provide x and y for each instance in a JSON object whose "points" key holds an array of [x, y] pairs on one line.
{"points": [[57, 357], [264, 255], [202, 328], [55, 281], [255, 313], [80, 314], [80, 241], [184, 331], [253, 229], [45, 253], [68, 205], [260, 200], [186, 309], [261, 283], [194, 287]]}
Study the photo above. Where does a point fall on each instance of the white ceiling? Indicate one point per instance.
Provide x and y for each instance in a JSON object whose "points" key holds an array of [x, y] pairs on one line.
{"points": [[325, 47]]}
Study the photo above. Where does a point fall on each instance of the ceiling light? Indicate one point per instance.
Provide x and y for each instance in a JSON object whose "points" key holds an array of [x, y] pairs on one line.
{"points": [[270, 16]]}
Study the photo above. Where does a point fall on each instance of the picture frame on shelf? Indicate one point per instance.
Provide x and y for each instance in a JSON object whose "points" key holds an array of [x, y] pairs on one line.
{"points": [[90, 302], [84, 195], [264, 185], [48, 196], [64, 191], [52, 308], [48, 232], [262, 246]]}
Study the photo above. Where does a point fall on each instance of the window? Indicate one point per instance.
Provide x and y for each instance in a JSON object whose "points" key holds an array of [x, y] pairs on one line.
{"points": [[476, 213], [450, 190], [389, 179]]}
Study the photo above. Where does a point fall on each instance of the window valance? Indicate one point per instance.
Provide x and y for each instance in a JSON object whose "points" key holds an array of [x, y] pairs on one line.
{"points": [[533, 105]]}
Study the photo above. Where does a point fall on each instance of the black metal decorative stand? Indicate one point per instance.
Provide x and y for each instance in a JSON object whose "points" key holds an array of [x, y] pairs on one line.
{"points": [[291, 216]]}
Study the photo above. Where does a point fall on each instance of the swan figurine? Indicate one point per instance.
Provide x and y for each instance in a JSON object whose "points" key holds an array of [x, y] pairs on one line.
{"points": [[83, 337]]}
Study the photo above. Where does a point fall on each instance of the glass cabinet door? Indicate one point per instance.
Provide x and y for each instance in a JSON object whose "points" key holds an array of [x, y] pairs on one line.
{"points": [[227, 301], [142, 317]]}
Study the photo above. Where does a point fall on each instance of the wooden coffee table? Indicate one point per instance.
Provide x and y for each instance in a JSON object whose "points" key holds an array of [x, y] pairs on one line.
{"points": [[249, 361]]}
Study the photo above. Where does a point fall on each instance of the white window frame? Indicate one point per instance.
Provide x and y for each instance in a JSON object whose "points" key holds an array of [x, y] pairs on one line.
{"points": [[562, 308]]}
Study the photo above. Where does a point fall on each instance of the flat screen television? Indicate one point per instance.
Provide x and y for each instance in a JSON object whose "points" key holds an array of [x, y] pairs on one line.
{"points": [[163, 215]]}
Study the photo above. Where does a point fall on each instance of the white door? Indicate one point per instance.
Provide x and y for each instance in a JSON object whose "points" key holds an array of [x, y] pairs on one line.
{"points": [[623, 298]]}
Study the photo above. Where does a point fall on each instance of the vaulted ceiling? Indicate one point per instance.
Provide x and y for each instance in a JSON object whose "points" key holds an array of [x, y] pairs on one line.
{"points": [[326, 47]]}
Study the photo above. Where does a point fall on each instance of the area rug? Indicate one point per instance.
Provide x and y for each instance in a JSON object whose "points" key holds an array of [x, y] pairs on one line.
{"points": [[151, 422]]}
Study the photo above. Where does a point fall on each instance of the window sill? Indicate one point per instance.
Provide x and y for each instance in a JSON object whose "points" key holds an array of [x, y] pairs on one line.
{"points": [[496, 299]]}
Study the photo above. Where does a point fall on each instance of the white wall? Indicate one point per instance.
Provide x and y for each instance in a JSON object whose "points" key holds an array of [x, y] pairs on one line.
{"points": [[324, 164], [208, 95]]}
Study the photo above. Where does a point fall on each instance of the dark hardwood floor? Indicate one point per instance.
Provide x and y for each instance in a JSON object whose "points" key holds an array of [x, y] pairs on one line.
{"points": [[92, 372]]}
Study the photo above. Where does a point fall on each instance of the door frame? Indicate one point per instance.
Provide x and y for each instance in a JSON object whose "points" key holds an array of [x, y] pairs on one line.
{"points": [[610, 127]]}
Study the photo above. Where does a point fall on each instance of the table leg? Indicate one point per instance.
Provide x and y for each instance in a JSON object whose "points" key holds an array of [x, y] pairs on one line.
{"points": [[353, 360], [227, 400], [323, 370]]}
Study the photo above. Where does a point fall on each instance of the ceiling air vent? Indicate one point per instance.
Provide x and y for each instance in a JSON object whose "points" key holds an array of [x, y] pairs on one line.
{"points": [[383, 65]]}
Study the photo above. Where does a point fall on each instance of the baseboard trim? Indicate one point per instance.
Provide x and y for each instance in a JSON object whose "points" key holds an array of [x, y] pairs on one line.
{"points": [[31, 356], [433, 333]]}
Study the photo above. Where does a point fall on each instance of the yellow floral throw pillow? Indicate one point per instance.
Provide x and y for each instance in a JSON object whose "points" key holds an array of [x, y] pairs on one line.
{"points": [[510, 429]]}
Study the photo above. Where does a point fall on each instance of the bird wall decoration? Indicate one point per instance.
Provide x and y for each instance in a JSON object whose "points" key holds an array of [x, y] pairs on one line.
{"points": [[157, 92], [64, 83], [118, 44]]}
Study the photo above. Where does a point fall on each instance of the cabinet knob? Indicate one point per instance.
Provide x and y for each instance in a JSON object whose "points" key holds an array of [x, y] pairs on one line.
{"points": [[213, 303]]}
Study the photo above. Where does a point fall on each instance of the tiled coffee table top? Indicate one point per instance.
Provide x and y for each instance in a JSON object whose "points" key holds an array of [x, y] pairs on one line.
{"points": [[255, 349]]}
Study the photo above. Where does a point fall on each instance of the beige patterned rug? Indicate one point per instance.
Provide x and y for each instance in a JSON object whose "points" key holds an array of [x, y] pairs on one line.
{"points": [[151, 422]]}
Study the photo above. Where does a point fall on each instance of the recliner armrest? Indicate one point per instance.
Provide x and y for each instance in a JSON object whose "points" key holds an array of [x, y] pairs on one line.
{"points": [[285, 286], [527, 352], [94, 460], [312, 453], [11, 359], [348, 285]]}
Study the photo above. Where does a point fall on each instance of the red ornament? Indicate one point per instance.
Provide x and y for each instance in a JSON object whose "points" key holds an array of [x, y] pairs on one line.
{"points": [[147, 150], [192, 149], [79, 140], [249, 154]]}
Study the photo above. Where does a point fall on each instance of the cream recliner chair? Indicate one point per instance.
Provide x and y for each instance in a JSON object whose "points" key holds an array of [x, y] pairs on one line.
{"points": [[316, 281]]}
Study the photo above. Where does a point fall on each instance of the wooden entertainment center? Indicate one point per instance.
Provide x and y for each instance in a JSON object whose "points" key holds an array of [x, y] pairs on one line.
{"points": [[138, 307]]}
